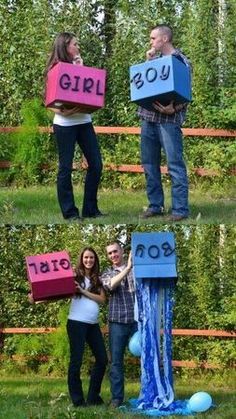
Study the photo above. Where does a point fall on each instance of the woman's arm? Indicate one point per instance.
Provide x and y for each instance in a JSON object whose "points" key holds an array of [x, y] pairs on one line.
{"points": [[64, 111], [99, 298], [32, 301]]}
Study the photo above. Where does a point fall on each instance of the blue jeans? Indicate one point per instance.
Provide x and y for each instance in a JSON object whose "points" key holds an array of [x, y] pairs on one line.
{"points": [[119, 335], [79, 333], [66, 138], [168, 136]]}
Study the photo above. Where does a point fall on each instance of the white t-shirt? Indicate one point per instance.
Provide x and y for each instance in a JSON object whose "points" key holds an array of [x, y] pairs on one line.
{"points": [[75, 119], [83, 309]]}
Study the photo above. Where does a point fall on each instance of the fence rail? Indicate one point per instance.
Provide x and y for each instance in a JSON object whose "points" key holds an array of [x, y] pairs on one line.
{"points": [[187, 132], [175, 332], [134, 168]]}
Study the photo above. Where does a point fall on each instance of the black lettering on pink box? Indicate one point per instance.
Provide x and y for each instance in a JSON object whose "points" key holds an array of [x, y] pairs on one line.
{"points": [[76, 85], [51, 276]]}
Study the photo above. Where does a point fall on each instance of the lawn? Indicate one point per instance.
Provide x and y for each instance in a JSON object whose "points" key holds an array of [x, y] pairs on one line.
{"points": [[35, 397], [38, 205]]}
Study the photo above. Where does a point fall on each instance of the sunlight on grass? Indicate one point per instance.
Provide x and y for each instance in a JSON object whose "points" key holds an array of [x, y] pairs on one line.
{"points": [[38, 205], [44, 397]]}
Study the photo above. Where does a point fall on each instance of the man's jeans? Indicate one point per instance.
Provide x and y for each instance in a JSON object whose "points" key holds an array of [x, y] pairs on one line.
{"points": [[119, 335], [66, 138], [155, 136]]}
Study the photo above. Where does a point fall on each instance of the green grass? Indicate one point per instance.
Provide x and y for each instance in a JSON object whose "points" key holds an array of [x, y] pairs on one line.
{"points": [[38, 205], [35, 397]]}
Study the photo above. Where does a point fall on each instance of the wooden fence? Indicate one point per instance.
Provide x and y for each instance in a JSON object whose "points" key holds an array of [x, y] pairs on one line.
{"points": [[134, 168], [221, 334]]}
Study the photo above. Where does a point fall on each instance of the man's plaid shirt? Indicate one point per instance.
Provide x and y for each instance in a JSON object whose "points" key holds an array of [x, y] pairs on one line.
{"points": [[121, 300], [160, 118]]}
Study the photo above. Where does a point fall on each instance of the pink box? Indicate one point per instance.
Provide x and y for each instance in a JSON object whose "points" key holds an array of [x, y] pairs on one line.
{"points": [[51, 276], [77, 85]]}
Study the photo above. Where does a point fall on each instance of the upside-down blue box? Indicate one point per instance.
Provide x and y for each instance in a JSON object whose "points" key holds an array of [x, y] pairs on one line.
{"points": [[163, 79], [153, 255]]}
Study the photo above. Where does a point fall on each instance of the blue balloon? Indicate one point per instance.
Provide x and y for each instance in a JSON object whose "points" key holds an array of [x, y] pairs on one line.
{"points": [[135, 344], [200, 402]]}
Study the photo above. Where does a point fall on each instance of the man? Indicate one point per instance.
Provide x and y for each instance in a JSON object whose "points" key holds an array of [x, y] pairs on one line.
{"points": [[161, 128], [118, 280]]}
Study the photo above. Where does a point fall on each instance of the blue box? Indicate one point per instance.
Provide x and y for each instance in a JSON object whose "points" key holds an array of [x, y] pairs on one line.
{"points": [[162, 79], [153, 255]]}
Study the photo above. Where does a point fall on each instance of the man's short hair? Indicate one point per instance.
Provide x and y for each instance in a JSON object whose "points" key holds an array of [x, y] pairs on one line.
{"points": [[115, 242], [165, 29]]}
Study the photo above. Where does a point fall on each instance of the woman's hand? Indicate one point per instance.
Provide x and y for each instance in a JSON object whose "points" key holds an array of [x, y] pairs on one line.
{"points": [[78, 60], [79, 289], [99, 298], [69, 111], [32, 301], [66, 111], [30, 298]]}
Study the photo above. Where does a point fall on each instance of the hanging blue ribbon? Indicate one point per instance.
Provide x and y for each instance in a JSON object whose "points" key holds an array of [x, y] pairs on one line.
{"points": [[156, 370], [155, 303]]}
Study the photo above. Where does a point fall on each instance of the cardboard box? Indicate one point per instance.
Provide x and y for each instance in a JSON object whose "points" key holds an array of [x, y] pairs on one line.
{"points": [[162, 79], [75, 85], [51, 276], [154, 255]]}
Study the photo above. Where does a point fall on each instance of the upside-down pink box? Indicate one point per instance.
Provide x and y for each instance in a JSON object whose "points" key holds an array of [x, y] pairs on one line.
{"points": [[77, 85], [51, 276]]}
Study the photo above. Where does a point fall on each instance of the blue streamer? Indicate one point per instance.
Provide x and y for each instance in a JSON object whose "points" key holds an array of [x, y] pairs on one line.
{"points": [[178, 407], [156, 371], [155, 299]]}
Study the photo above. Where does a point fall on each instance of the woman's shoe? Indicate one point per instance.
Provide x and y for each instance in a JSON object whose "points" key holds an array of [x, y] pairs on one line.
{"points": [[96, 402], [74, 219], [100, 214], [96, 214]]}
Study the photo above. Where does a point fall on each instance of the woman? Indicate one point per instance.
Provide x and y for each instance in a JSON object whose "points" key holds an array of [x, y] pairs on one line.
{"points": [[71, 127], [82, 327]]}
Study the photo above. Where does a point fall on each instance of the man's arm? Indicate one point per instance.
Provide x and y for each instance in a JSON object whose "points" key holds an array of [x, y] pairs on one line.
{"points": [[112, 282]]}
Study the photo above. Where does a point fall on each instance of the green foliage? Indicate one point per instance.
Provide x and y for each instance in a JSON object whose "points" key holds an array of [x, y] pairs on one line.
{"points": [[33, 149], [117, 42], [205, 293], [114, 43], [35, 157], [43, 397], [6, 147], [60, 346]]}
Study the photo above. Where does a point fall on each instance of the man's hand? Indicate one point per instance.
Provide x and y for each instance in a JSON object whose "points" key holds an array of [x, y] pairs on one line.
{"points": [[167, 110], [129, 262], [151, 53]]}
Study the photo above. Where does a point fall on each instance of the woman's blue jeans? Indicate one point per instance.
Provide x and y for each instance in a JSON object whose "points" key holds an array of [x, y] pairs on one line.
{"points": [[79, 333], [66, 138], [154, 137], [119, 335]]}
